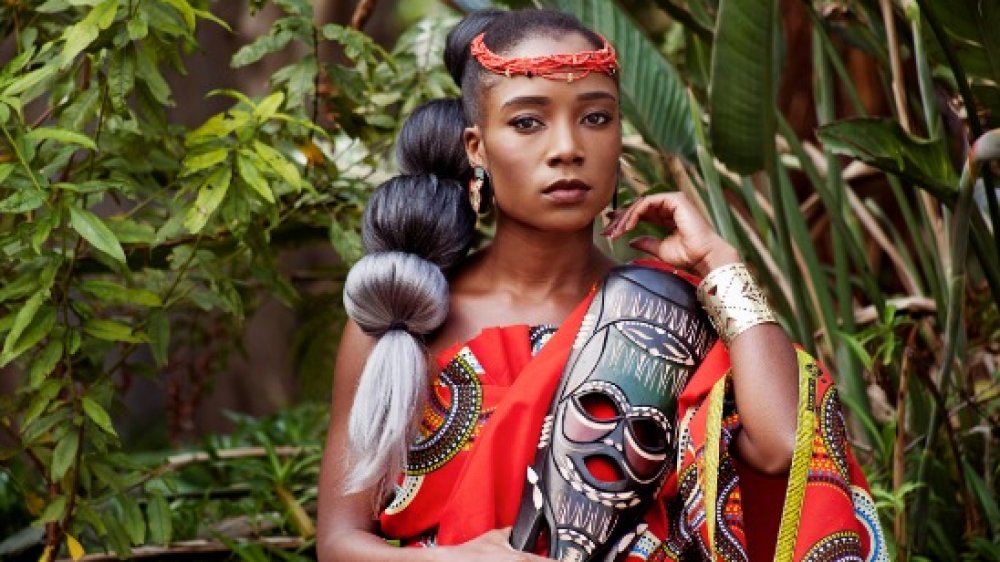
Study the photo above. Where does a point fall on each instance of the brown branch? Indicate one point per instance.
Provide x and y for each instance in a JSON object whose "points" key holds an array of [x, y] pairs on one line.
{"points": [[971, 513], [362, 13], [27, 450]]}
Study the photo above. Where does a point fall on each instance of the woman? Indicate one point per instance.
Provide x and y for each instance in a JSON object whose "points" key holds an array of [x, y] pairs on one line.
{"points": [[543, 139]]}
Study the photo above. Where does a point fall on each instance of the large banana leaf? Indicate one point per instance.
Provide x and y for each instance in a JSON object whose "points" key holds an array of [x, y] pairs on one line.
{"points": [[974, 27], [884, 144], [653, 96], [741, 96]]}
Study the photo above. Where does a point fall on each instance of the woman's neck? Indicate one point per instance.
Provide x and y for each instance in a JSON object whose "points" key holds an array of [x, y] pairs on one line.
{"points": [[538, 265]]}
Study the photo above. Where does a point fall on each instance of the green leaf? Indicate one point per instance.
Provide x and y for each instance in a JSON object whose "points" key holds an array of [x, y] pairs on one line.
{"points": [[741, 97], [346, 242], [54, 510], [23, 319], [104, 13], [160, 524], [269, 106], [98, 415], [135, 523], [159, 336], [210, 196], [261, 47], [199, 161], [39, 327], [653, 95], [113, 293], [64, 455], [976, 22], [277, 162], [29, 80], [218, 126], [111, 330], [148, 72], [41, 400], [45, 362], [205, 14], [94, 231], [248, 165], [80, 35], [381, 120], [106, 474], [884, 144], [61, 135], [23, 201], [138, 27], [186, 11], [121, 76], [6, 170], [20, 287], [128, 231]]}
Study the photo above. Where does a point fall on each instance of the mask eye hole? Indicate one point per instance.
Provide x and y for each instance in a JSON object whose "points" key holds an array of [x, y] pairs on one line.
{"points": [[590, 417], [598, 406], [648, 434], [603, 469]]}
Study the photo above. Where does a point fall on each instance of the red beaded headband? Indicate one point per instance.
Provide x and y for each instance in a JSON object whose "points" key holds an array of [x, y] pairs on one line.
{"points": [[568, 66]]}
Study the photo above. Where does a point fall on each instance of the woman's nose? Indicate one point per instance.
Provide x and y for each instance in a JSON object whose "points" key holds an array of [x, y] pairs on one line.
{"points": [[565, 148]]}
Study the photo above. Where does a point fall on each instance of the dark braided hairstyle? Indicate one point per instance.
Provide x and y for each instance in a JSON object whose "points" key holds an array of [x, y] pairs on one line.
{"points": [[416, 227]]}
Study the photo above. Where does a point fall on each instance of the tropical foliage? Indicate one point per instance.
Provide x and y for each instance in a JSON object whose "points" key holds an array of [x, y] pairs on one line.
{"points": [[121, 230], [124, 233]]}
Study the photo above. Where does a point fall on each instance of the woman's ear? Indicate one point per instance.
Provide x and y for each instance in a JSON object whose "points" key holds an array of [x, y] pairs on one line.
{"points": [[473, 139]]}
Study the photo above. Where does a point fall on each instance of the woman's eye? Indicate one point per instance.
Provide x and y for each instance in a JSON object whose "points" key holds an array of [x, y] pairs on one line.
{"points": [[525, 123], [597, 118]]}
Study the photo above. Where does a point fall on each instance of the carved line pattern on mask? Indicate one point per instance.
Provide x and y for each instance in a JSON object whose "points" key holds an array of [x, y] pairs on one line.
{"points": [[592, 518], [577, 538], [687, 327], [659, 376]]}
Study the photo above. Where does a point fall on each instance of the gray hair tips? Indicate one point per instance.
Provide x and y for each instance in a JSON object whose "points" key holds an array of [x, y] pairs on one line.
{"points": [[384, 291]]}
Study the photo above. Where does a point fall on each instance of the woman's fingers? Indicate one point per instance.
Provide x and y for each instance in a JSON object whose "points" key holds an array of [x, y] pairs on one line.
{"points": [[690, 241]]}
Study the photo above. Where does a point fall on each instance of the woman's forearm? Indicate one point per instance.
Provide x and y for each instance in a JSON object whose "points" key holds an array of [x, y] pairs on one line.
{"points": [[765, 381]]}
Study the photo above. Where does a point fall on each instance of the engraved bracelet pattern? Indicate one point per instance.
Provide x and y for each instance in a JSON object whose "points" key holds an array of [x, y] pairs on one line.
{"points": [[733, 301]]}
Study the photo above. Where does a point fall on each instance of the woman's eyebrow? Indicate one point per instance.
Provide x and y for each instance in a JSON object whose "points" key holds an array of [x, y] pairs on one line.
{"points": [[526, 100], [600, 95]]}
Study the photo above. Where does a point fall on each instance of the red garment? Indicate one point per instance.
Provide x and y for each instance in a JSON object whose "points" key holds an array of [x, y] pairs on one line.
{"points": [[467, 471]]}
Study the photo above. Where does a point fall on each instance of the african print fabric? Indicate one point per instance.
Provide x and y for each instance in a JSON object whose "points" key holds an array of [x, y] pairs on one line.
{"points": [[484, 418]]}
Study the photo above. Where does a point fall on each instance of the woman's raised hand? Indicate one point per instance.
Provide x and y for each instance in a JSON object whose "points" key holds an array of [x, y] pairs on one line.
{"points": [[691, 244], [493, 546]]}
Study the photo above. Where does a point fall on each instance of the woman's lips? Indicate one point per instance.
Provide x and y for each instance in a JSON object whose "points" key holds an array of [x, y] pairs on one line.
{"points": [[571, 191]]}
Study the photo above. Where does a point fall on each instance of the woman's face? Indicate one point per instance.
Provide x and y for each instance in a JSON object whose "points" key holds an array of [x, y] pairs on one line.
{"points": [[551, 146]]}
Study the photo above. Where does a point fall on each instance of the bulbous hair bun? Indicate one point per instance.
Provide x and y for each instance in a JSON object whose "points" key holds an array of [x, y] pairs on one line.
{"points": [[420, 214], [387, 290], [431, 141]]}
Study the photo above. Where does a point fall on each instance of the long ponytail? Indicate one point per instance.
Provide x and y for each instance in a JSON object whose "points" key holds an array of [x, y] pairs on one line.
{"points": [[416, 227]]}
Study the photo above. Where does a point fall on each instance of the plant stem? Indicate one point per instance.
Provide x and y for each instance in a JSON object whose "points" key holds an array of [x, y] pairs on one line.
{"points": [[899, 446], [899, 97], [20, 158], [974, 124]]}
